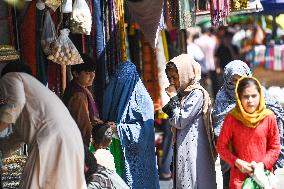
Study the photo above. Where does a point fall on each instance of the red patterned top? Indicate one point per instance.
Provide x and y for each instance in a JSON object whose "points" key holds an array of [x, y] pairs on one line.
{"points": [[260, 144]]}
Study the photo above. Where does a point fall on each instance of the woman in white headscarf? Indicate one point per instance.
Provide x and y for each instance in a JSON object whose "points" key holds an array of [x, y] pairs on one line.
{"points": [[189, 112]]}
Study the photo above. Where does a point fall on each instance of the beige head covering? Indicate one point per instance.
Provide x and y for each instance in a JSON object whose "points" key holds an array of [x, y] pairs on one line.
{"points": [[189, 72]]}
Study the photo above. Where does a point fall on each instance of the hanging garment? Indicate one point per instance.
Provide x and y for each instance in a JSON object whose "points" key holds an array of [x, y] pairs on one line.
{"points": [[219, 10], [150, 73], [101, 62], [186, 13], [28, 37], [162, 77], [40, 57], [147, 14]]}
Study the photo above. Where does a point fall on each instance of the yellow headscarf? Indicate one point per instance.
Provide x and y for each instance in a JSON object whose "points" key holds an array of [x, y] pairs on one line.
{"points": [[250, 120]]}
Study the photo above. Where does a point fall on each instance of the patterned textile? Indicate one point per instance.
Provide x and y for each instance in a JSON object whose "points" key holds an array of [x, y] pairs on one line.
{"points": [[186, 14], [225, 102], [239, 4], [127, 102], [219, 10], [260, 144], [190, 113], [225, 98], [105, 178]]}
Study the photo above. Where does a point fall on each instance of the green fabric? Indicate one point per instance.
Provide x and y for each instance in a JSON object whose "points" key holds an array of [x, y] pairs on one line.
{"points": [[92, 148], [186, 14], [116, 150], [249, 183]]}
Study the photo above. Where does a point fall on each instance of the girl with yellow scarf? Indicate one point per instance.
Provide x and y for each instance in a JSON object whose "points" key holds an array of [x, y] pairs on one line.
{"points": [[249, 133]]}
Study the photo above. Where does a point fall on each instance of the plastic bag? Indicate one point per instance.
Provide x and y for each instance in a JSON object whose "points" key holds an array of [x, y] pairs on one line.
{"points": [[81, 18], [67, 6], [262, 177], [64, 51], [48, 33], [249, 183]]}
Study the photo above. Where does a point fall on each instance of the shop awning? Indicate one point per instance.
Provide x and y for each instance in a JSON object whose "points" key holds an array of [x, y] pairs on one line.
{"points": [[272, 7]]}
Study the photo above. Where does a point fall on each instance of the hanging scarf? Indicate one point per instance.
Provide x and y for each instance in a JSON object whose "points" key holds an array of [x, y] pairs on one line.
{"points": [[189, 72], [219, 10], [186, 14], [250, 119]]}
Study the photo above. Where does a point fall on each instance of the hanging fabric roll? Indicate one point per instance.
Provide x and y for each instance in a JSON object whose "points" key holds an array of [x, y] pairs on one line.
{"points": [[172, 15], [28, 38], [186, 13], [219, 10], [162, 59], [165, 45], [40, 57], [122, 30]]}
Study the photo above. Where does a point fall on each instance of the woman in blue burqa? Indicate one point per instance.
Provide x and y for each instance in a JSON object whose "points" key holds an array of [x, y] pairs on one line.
{"points": [[225, 101], [129, 105]]}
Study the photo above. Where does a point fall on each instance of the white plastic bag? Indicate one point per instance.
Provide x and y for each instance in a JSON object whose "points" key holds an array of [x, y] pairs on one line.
{"points": [[81, 18], [67, 6], [48, 33], [263, 178], [64, 51]]}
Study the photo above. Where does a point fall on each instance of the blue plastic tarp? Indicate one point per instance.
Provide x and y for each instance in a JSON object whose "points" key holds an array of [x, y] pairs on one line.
{"points": [[273, 7]]}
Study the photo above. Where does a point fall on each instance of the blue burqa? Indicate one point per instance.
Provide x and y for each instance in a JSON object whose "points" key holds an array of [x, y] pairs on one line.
{"points": [[127, 102]]}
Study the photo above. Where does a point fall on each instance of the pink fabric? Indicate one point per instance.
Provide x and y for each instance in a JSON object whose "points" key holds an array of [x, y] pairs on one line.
{"points": [[260, 144]]}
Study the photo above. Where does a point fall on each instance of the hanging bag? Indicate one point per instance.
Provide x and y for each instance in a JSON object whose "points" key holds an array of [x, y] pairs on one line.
{"points": [[81, 18], [64, 51], [48, 34]]}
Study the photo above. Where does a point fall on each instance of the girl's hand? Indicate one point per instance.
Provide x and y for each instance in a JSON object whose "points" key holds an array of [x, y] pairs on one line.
{"points": [[244, 166], [171, 91]]}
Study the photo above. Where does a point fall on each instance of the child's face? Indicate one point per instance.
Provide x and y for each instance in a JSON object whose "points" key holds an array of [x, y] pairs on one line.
{"points": [[86, 78], [173, 78], [250, 99]]}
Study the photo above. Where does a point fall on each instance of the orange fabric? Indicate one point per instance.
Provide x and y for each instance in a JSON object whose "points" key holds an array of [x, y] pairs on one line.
{"points": [[28, 37], [150, 73]]}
